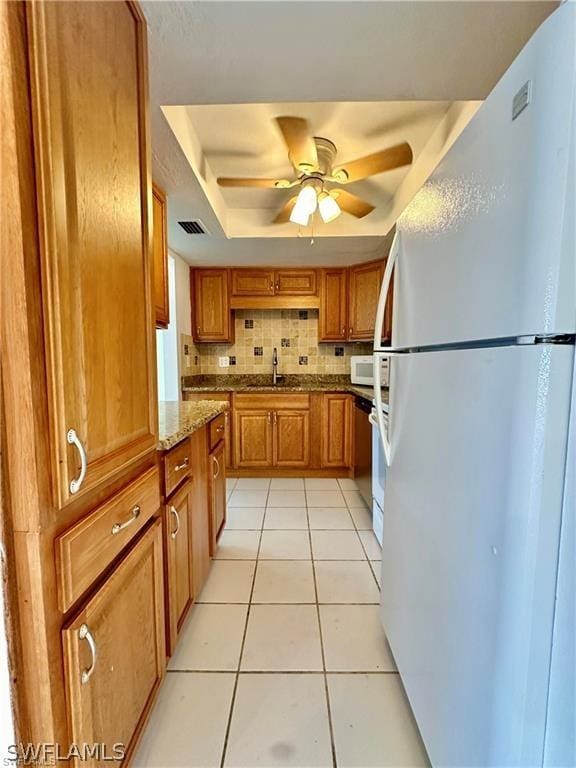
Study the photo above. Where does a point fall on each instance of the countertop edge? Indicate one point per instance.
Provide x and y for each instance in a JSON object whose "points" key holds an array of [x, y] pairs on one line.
{"points": [[191, 417]]}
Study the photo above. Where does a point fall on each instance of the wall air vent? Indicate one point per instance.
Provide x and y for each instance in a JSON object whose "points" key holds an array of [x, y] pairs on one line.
{"points": [[193, 227]]}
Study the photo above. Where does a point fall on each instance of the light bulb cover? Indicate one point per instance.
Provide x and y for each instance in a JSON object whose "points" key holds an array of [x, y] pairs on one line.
{"points": [[329, 208], [307, 199], [299, 215]]}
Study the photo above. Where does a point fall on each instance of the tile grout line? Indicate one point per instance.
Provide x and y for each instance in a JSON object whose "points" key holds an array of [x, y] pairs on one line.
{"points": [[237, 676], [362, 544], [325, 677]]}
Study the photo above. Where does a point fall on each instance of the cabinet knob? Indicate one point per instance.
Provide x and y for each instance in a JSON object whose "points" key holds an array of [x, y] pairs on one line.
{"points": [[277, 286], [343, 331], [350, 330]]}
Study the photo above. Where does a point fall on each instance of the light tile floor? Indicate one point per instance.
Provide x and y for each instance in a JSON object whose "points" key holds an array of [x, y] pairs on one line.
{"points": [[283, 661]]}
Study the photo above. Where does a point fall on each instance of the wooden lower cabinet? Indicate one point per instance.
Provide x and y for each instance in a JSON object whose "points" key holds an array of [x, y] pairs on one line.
{"points": [[336, 430], [225, 397], [291, 438], [114, 651], [217, 469], [252, 438], [178, 567]]}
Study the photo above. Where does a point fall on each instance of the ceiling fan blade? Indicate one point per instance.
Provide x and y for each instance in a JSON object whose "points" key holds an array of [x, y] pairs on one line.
{"points": [[284, 214], [225, 181], [301, 146], [386, 160], [351, 204]]}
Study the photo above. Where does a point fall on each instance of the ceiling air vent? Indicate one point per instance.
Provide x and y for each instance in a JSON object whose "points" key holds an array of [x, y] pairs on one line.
{"points": [[193, 227]]}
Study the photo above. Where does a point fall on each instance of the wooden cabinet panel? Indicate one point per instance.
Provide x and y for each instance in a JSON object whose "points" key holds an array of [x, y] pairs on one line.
{"points": [[217, 430], [211, 315], [178, 567], [89, 92], [84, 551], [252, 438], [252, 282], [291, 438], [217, 468], [160, 258], [333, 316], [200, 511], [336, 430], [227, 398], [109, 693], [364, 281], [295, 282]]}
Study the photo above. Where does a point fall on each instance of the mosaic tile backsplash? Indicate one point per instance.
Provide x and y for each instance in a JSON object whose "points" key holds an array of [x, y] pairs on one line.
{"points": [[294, 332]]}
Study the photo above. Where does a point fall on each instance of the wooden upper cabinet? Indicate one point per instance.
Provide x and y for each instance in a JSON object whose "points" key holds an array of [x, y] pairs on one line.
{"points": [[88, 65], [252, 282], [295, 282], [364, 285], [336, 430], [333, 318], [109, 687], [160, 258], [211, 316]]}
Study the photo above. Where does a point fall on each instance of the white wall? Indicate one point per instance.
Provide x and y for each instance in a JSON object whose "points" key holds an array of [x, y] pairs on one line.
{"points": [[168, 340]]}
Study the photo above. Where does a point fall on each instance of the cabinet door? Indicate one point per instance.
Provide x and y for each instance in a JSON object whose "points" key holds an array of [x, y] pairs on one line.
{"points": [[89, 90], [295, 282], [365, 282], [291, 438], [336, 430], [178, 566], [226, 397], [211, 305], [217, 468], [252, 438], [252, 282], [110, 688], [333, 317], [200, 511], [160, 258]]}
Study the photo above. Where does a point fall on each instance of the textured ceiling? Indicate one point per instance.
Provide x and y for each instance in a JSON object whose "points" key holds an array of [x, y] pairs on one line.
{"points": [[298, 51]]}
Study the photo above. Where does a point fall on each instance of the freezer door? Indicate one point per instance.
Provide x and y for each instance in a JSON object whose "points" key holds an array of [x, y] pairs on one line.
{"points": [[470, 546], [487, 246]]}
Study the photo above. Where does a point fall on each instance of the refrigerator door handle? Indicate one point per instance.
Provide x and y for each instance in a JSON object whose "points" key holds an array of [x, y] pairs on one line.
{"points": [[382, 300], [384, 436]]}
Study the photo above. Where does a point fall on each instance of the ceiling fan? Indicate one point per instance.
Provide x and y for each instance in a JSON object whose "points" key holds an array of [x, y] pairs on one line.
{"points": [[313, 158]]}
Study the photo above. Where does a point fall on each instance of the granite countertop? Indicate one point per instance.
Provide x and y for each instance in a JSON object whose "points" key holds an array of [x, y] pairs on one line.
{"points": [[263, 383], [177, 419]]}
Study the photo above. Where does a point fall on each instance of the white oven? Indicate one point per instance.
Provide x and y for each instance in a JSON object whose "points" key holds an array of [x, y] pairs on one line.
{"points": [[362, 370]]}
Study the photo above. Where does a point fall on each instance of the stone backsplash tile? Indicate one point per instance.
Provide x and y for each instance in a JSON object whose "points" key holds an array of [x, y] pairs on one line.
{"points": [[293, 332]]}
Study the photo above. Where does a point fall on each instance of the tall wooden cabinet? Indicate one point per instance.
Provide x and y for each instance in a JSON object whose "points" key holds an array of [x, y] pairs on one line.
{"points": [[333, 317], [364, 282], [89, 103]]}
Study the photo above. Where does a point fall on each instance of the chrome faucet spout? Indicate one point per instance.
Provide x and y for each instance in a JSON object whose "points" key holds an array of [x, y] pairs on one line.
{"points": [[274, 366]]}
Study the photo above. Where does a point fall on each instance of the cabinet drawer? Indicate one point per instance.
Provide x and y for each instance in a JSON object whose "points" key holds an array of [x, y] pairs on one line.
{"points": [[84, 551], [217, 430], [272, 401], [177, 466]]}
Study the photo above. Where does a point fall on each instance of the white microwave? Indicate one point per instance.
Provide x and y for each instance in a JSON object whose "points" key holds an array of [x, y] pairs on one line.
{"points": [[362, 370]]}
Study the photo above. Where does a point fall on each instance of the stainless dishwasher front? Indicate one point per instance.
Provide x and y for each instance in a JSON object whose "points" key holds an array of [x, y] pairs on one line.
{"points": [[363, 448]]}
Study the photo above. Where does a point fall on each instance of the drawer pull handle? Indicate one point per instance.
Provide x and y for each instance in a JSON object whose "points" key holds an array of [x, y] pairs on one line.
{"points": [[117, 527], [85, 634], [73, 439], [184, 464], [220, 428], [215, 460], [177, 516]]}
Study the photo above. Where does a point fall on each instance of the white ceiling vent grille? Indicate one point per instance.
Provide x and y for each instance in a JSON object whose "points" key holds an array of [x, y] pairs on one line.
{"points": [[193, 227]]}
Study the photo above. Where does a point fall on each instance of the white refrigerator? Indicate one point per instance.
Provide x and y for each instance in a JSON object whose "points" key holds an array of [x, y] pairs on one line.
{"points": [[479, 539]]}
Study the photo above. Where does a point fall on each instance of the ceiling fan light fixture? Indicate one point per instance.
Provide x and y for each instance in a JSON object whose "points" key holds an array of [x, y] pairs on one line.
{"points": [[299, 216], [329, 208], [307, 199]]}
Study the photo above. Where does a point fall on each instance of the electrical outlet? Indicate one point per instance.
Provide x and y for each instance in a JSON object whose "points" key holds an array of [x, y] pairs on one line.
{"points": [[223, 362]]}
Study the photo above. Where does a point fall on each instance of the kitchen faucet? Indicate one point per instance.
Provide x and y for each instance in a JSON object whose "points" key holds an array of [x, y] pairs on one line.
{"points": [[275, 376]]}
